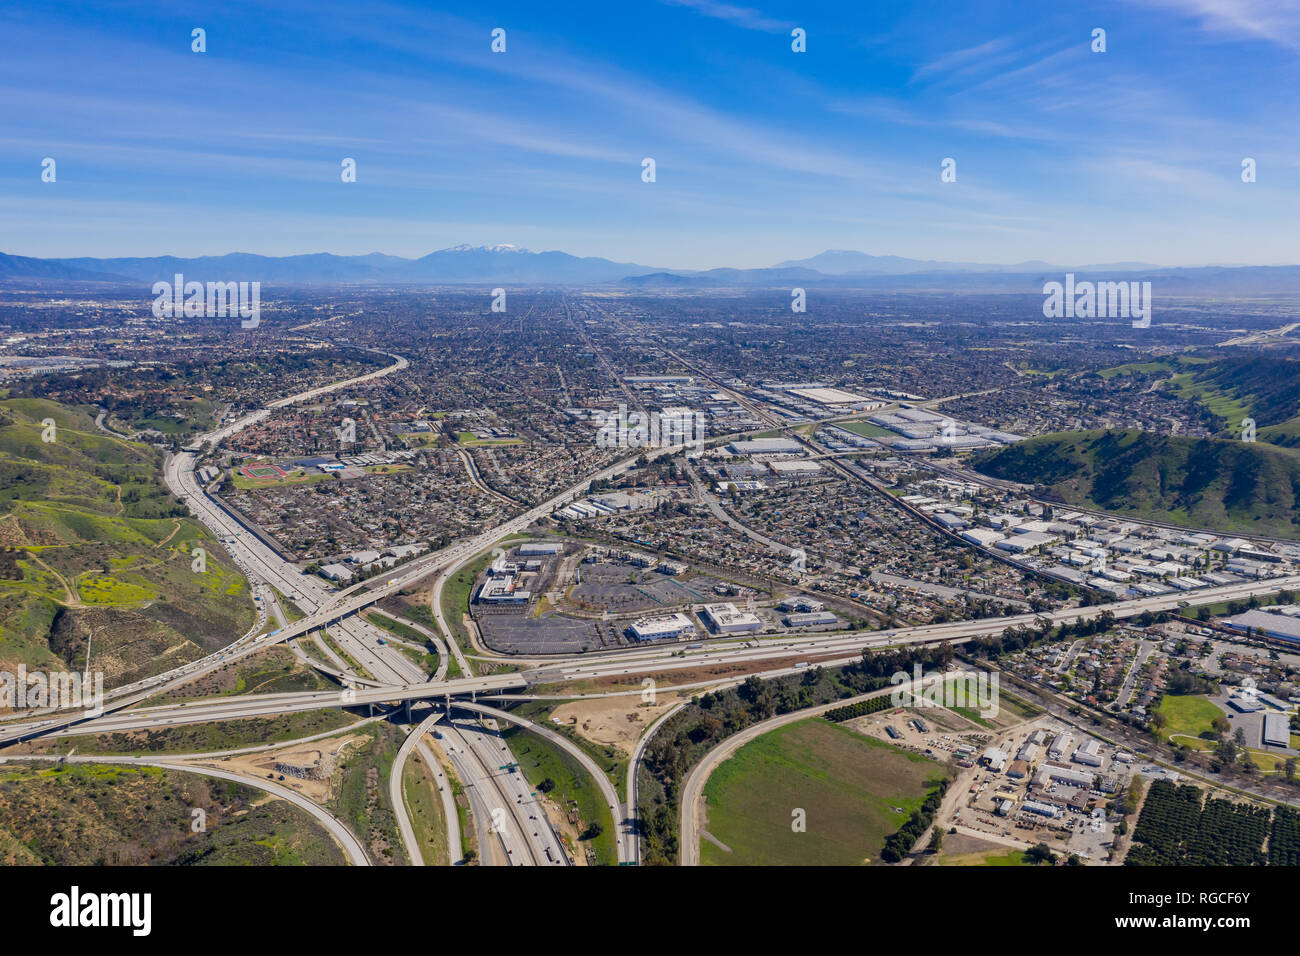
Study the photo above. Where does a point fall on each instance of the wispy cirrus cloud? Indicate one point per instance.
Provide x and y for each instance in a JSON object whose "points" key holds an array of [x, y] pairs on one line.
{"points": [[1277, 21], [740, 16]]}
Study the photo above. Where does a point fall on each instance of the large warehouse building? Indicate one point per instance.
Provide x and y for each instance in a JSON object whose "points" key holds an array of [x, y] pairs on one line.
{"points": [[1281, 627], [1277, 730]]}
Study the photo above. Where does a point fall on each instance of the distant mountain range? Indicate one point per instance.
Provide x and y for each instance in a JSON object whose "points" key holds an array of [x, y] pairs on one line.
{"points": [[465, 264]]}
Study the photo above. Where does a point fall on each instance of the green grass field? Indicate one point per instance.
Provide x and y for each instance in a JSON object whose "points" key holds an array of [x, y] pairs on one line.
{"points": [[866, 429], [1188, 715], [990, 858], [855, 791]]}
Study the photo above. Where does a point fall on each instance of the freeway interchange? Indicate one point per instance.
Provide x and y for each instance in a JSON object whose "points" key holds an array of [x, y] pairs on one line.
{"points": [[511, 823]]}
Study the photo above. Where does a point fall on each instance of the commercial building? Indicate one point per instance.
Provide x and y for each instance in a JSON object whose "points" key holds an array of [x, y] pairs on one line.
{"points": [[995, 759], [766, 446], [811, 619], [983, 537], [1276, 730], [1244, 703], [1042, 809], [536, 550], [669, 626], [502, 584], [1051, 773], [729, 619], [797, 467], [801, 604], [1277, 626], [336, 572]]}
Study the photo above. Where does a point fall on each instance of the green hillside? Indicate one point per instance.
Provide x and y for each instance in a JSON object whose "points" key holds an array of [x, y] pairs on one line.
{"points": [[90, 540], [1263, 387], [1225, 485]]}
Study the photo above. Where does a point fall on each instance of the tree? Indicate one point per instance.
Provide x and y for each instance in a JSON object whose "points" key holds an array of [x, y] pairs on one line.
{"points": [[936, 840], [1040, 853], [1288, 769]]}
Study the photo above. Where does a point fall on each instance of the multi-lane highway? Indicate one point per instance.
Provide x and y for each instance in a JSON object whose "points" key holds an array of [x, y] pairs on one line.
{"points": [[625, 664]]}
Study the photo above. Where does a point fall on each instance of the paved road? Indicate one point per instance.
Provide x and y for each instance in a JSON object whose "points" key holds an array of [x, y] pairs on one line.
{"points": [[616, 810], [397, 793], [655, 661], [633, 793]]}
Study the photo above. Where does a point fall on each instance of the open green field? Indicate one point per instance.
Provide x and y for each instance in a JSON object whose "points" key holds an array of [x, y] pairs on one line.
{"points": [[990, 858], [866, 429], [856, 791], [297, 476], [1188, 715], [469, 440]]}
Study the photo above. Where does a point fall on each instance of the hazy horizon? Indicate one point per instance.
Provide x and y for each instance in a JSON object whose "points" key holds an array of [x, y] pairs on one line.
{"points": [[762, 154]]}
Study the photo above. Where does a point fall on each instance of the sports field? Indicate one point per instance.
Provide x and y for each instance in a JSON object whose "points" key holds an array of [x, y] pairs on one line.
{"points": [[854, 791], [262, 470]]}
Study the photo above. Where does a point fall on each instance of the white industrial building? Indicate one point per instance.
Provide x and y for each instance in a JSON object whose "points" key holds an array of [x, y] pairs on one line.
{"points": [[1060, 746], [995, 759], [1276, 731], [1050, 773], [729, 619], [983, 537], [766, 446], [661, 628], [1089, 753], [811, 619], [1042, 809], [801, 604], [538, 549], [1281, 627]]}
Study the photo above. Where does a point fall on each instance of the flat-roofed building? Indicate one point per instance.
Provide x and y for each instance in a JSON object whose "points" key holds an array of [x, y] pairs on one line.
{"points": [[1281, 627], [1060, 745], [766, 446], [729, 619], [540, 548], [1053, 773], [1040, 808], [811, 619], [661, 628], [1276, 731]]}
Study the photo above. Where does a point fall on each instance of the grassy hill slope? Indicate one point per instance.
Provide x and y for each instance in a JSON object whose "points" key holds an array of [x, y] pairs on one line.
{"points": [[1226, 485], [1265, 387], [90, 540]]}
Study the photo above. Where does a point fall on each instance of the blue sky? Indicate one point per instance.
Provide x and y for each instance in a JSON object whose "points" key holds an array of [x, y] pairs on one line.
{"points": [[762, 154]]}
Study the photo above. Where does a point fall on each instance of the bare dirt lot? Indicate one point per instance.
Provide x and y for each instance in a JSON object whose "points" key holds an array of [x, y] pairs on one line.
{"points": [[324, 753], [613, 721]]}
